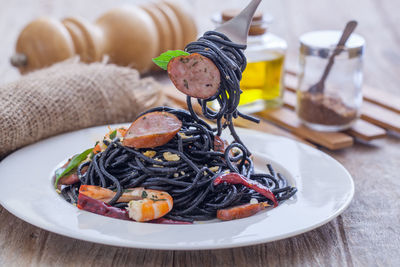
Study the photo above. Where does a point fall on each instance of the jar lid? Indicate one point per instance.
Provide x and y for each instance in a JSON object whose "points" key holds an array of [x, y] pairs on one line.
{"points": [[258, 25], [322, 43]]}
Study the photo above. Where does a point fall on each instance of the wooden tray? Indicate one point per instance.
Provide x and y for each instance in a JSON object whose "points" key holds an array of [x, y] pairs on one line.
{"points": [[379, 113]]}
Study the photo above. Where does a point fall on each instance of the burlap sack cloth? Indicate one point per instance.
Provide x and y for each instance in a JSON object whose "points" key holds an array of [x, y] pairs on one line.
{"points": [[71, 96]]}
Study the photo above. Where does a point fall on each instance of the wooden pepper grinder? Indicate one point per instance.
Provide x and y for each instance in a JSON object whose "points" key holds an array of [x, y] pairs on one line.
{"points": [[129, 36]]}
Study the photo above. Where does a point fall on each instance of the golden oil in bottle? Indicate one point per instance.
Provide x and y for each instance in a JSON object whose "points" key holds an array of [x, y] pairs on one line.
{"points": [[261, 82]]}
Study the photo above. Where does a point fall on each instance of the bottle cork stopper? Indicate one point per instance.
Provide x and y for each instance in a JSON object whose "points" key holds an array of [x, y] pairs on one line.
{"points": [[228, 14], [256, 27]]}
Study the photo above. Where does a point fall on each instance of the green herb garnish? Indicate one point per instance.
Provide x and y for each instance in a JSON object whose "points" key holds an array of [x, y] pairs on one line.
{"points": [[74, 163], [127, 190], [155, 199], [163, 59], [144, 194], [113, 134]]}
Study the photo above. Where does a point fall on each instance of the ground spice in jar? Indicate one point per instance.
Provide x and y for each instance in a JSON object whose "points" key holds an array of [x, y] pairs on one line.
{"points": [[324, 109]]}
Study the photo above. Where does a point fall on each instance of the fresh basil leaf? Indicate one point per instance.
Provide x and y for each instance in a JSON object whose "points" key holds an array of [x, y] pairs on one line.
{"points": [[163, 59], [74, 163], [144, 194], [113, 134]]}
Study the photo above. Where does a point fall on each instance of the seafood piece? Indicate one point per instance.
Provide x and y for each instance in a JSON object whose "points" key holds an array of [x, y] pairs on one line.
{"points": [[152, 130], [194, 75], [105, 195], [153, 205], [144, 204], [241, 211]]}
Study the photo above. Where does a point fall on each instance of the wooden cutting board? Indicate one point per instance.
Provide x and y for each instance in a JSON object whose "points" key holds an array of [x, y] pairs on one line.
{"points": [[179, 99], [378, 114]]}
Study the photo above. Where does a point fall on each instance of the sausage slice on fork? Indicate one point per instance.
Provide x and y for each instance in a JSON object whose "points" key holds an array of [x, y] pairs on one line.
{"points": [[194, 75]]}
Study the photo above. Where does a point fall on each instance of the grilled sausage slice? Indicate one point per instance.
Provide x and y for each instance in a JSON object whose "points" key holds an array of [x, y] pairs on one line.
{"points": [[152, 130], [194, 75], [220, 144]]}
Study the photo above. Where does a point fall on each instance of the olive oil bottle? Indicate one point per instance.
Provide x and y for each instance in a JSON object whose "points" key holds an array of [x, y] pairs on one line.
{"points": [[262, 80], [262, 83]]}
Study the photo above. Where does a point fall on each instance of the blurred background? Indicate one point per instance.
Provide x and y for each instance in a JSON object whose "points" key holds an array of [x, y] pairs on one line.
{"points": [[378, 24], [369, 150]]}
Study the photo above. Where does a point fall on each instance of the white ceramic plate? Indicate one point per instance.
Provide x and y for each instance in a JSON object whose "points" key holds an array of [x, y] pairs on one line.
{"points": [[325, 189]]}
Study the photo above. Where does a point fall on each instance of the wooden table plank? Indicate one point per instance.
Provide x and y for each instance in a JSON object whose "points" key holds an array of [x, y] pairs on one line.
{"points": [[366, 131], [266, 127], [382, 117], [291, 82], [382, 98]]}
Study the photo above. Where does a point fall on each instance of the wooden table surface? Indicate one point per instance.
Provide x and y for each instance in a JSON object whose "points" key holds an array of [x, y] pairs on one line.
{"points": [[366, 234]]}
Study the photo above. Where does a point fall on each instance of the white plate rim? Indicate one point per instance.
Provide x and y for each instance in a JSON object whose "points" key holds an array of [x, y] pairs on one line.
{"points": [[172, 246]]}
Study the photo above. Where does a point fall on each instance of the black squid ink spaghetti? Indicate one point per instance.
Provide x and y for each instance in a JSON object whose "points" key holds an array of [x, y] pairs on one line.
{"points": [[171, 166], [231, 62]]}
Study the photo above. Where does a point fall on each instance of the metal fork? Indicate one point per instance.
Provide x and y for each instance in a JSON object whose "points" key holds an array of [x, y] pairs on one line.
{"points": [[237, 28]]}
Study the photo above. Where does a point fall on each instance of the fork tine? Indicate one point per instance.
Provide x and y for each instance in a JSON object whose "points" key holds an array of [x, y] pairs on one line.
{"points": [[237, 28]]}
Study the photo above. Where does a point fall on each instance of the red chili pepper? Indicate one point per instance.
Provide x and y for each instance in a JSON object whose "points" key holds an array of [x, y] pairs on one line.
{"points": [[168, 221], [236, 178], [101, 208], [241, 211]]}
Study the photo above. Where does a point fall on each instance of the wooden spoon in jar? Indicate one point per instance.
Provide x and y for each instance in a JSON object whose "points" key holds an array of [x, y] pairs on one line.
{"points": [[348, 30]]}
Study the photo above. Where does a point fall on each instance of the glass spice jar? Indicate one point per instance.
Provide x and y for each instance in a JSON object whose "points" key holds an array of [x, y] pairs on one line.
{"points": [[337, 107], [262, 80]]}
